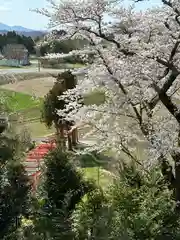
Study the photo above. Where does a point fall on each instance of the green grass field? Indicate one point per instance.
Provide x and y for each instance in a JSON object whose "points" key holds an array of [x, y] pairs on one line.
{"points": [[95, 166], [17, 101], [27, 108]]}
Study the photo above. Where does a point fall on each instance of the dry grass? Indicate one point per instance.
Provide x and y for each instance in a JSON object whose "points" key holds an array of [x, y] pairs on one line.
{"points": [[17, 77], [38, 129], [35, 87]]}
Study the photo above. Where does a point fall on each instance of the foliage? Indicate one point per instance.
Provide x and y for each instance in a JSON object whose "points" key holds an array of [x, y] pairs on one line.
{"points": [[13, 37], [128, 211], [52, 103], [14, 198], [62, 187], [14, 183], [137, 68], [63, 46]]}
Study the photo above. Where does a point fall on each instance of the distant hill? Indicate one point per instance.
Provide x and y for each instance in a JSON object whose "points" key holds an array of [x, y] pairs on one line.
{"points": [[14, 28], [32, 34], [21, 30]]}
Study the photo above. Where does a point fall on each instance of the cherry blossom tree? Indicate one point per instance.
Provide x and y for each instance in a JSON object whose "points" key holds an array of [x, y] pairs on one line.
{"points": [[137, 66]]}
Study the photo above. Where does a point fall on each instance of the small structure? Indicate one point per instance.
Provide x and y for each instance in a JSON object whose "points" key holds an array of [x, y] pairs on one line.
{"points": [[15, 55], [34, 161]]}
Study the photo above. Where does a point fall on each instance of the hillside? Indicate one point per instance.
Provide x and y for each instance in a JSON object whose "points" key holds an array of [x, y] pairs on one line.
{"points": [[4, 28]]}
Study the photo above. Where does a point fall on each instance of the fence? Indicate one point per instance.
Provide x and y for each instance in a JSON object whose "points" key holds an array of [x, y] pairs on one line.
{"points": [[13, 62]]}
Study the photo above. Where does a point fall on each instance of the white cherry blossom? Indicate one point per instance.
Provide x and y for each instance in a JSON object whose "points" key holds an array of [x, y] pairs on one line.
{"points": [[136, 65]]}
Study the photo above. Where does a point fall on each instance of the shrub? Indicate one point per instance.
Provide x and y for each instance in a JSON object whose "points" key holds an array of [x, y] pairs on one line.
{"points": [[14, 182], [132, 209]]}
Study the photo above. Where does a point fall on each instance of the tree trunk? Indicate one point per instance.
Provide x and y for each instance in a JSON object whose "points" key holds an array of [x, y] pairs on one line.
{"points": [[166, 169], [69, 138], [74, 137], [173, 109], [176, 157], [60, 136]]}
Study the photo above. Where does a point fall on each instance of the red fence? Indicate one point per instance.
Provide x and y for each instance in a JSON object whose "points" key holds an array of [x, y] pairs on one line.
{"points": [[34, 161]]}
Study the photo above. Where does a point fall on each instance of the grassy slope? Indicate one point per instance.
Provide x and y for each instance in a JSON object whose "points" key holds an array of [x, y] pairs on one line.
{"points": [[28, 108], [18, 101]]}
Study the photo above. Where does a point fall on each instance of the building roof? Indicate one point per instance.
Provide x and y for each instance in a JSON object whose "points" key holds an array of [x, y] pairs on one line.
{"points": [[14, 46]]}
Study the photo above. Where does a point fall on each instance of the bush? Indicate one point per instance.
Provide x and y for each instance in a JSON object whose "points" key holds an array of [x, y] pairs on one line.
{"points": [[57, 62], [134, 208], [63, 46], [14, 182]]}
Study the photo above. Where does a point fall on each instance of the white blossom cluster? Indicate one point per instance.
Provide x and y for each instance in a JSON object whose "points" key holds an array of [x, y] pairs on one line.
{"points": [[137, 63], [82, 53]]}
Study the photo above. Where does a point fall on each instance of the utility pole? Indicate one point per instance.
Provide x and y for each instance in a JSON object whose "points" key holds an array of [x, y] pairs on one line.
{"points": [[38, 56], [37, 48]]}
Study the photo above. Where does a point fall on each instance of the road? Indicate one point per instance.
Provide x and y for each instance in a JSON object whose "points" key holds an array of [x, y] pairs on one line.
{"points": [[30, 70], [26, 70]]}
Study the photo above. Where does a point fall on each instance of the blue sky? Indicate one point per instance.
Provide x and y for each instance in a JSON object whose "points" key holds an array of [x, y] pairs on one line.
{"points": [[16, 12]]}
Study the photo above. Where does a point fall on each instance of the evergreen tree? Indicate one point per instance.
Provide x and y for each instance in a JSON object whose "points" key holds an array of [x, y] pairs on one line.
{"points": [[52, 103], [64, 81], [14, 183], [62, 188], [13, 38]]}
